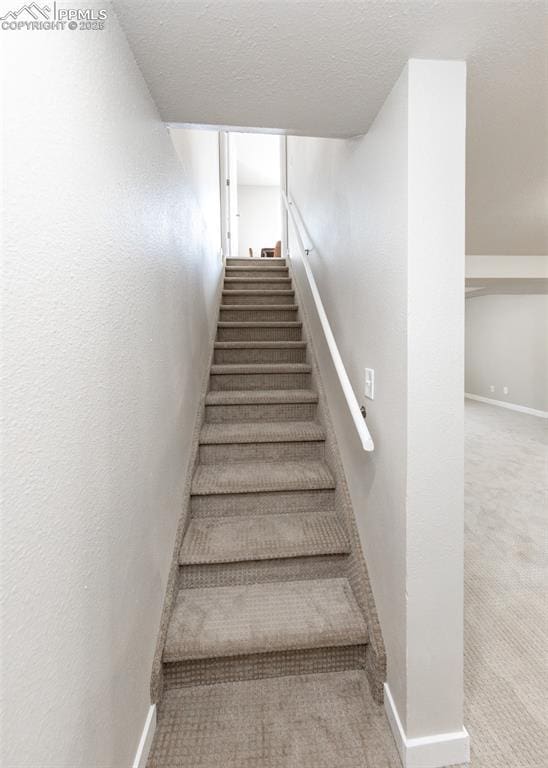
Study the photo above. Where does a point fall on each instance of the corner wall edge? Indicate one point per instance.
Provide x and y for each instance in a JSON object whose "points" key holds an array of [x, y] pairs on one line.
{"points": [[433, 751]]}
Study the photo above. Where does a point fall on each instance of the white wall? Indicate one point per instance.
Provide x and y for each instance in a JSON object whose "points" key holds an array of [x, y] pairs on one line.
{"points": [[385, 214], [108, 284], [507, 346], [260, 218]]}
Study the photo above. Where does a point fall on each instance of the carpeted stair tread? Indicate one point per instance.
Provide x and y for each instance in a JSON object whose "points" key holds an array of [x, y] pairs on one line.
{"points": [[260, 432], [260, 307], [259, 268], [261, 476], [298, 721], [279, 261], [260, 344], [216, 622], [268, 537], [263, 324], [243, 368], [260, 396], [259, 279], [260, 292]]}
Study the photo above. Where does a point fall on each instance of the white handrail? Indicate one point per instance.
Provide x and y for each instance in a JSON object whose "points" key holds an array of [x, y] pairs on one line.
{"points": [[353, 406]]}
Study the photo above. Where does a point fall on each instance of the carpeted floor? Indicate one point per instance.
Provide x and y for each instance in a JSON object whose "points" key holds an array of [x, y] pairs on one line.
{"points": [[506, 606]]}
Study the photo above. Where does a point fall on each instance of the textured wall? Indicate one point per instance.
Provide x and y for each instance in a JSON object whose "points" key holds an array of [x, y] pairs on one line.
{"points": [[385, 215], [507, 346], [108, 280]]}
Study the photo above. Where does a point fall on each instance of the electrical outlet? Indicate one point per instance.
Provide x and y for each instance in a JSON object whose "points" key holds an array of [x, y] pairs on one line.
{"points": [[370, 383], [492, 388], [505, 390]]}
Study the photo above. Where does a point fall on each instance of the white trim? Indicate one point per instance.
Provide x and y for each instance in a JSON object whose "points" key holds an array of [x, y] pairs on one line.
{"points": [[354, 408], [141, 756], [510, 406], [435, 751]]}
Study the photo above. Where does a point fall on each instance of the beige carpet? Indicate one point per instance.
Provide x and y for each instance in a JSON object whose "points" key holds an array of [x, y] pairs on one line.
{"points": [[506, 638], [307, 721]]}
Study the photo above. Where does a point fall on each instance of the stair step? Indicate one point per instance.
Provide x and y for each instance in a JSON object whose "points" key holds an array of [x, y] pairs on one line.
{"points": [[265, 396], [261, 477], [252, 282], [260, 405], [261, 441], [261, 432], [331, 566], [259, 331], [247, 262], [243, 369], [257, 284], [317, 720], [232, 621], [269, 297], [258, 312], [224, 504], [250, 271], [237, 539], [260, 344], [260, 376]]}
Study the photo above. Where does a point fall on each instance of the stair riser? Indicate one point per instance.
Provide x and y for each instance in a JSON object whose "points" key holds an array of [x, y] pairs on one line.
{"points": [[256, 666], [255, 263], [259, 334], [257, 315], [257, 272], [261, 571], [222, 382], [261, 412], [235, 452], [249, 297], [265, 503], [257, 355], [268, 284]]}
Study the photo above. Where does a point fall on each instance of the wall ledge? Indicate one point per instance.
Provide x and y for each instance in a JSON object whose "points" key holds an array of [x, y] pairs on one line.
{"points": [[434, 751]]}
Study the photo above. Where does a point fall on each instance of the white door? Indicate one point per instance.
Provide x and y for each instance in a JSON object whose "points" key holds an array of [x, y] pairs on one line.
{"points": [[224, 189], [228, 171], [233, 193]]}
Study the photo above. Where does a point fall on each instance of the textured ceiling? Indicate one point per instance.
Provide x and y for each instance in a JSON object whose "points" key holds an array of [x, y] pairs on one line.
{"points": [[324, 68]]}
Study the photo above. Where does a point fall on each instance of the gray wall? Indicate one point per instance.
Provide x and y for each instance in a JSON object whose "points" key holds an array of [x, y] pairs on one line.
{"points": [[507, 345]]}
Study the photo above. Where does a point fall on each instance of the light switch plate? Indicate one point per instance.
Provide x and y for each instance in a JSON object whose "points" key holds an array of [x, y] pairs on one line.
{"points": [[370, 383]]}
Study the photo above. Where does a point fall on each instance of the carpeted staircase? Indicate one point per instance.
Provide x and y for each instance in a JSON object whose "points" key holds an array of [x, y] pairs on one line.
{"points": [[269, 631]]}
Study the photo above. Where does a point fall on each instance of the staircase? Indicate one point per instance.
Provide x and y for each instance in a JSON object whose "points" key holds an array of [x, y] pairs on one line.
{"points": [[270, 630]]}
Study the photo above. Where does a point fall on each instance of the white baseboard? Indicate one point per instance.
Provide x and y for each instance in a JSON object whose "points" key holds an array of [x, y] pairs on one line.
{"points": [[510, 406], [141, 756], [435, 751]]}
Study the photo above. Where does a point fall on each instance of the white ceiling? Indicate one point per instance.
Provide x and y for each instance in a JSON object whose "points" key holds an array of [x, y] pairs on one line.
{"points": [[258, 156], [324, 67]]}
